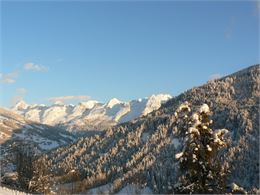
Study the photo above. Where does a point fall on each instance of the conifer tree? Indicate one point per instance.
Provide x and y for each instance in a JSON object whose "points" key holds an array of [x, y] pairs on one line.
{"points": [[200, 169], [23, 163]]}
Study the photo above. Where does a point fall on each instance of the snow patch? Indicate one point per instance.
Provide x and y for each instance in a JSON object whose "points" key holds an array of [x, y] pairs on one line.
{"points": [[113, 102], [48, 145], [178, 155]]}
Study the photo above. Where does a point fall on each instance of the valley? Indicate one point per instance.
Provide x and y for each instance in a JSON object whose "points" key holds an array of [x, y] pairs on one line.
{"points": [[142, 152]]}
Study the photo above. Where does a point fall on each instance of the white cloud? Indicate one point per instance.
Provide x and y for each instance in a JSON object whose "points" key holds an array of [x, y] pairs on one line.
{"points": [[8, 78], [67, 98], [21, 90], [35, 67], [215, 76]]}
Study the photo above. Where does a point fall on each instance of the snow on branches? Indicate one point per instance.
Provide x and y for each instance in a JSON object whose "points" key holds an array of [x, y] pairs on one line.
{"points": [[199, 168]]}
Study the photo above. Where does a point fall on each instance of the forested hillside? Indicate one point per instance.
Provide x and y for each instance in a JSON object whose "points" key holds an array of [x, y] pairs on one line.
{"points": [[143, 151]]}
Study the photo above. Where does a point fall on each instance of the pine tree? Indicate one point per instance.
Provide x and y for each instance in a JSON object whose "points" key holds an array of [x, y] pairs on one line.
{"points": [[200, 160], [24, 158]]}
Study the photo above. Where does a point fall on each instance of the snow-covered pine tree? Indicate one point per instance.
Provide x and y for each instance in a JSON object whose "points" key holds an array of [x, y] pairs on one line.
{"points": [[200, 169]]}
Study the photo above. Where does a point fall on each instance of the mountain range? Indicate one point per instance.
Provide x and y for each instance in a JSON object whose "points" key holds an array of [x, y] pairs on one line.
{"points": [[44, 128], [90, 115]]}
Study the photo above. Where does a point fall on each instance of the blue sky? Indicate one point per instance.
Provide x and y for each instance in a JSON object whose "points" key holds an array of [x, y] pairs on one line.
{"points": [[121, 49]]}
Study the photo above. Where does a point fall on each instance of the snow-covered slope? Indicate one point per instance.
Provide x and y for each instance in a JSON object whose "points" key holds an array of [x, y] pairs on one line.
{"points": [[15, 126], [8, 191], [15, 131], [90, 115], [21, 105]]}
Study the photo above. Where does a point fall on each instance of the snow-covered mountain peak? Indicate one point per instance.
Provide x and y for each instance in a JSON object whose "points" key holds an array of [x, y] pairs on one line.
{"points": [[88, 104], [154, 102], [37, 105], [92, 115], [113, 102], [58, 103], [160, 97], [79, 109], [20, 105]]}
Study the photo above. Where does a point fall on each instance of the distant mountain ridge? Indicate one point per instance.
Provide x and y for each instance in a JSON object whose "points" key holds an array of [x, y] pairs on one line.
{"points": [[90, 115]]}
